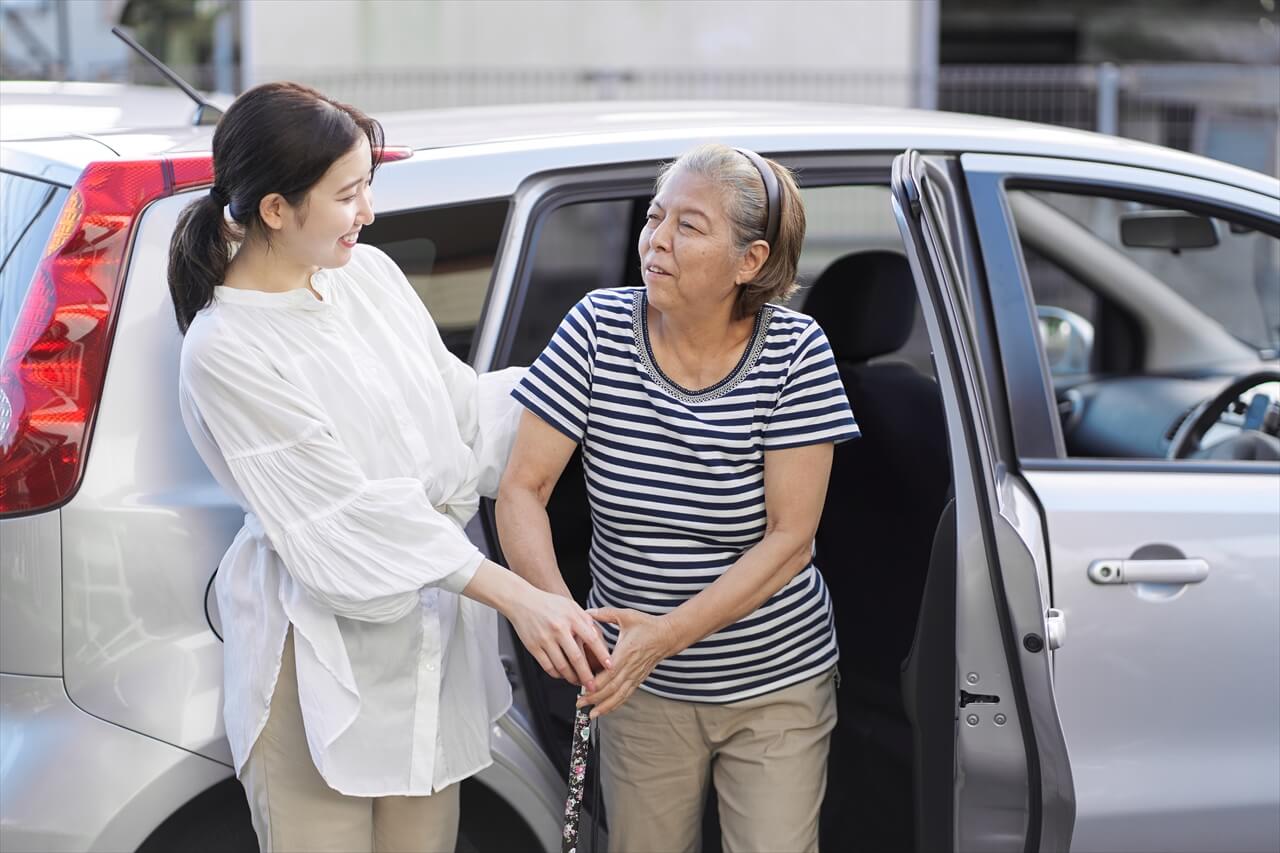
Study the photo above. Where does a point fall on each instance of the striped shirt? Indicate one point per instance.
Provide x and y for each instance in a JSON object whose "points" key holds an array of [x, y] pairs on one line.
{"points": [[675, 481]]}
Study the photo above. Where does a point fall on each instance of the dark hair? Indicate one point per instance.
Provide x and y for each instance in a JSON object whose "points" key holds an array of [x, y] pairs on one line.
{"points": [[275, 138]]}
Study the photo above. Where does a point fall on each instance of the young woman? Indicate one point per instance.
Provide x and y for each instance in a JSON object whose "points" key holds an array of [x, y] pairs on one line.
{"points": [[362, 672], [707, 417]]}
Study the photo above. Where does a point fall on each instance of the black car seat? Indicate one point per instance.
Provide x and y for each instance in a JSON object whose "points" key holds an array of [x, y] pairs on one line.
{"points": [[887, 491], [888, 487]]}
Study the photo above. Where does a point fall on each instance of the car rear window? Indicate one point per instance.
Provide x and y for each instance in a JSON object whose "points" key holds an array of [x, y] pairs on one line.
{"points": [[28, 210], [447, 253]]}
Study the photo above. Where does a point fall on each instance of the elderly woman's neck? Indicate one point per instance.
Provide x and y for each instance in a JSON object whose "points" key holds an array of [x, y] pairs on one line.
{"points": [[698, 349]]}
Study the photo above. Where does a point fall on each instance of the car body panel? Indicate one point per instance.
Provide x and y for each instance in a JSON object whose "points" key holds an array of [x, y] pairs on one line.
{"points": [[72, 782], [1169, 694], [31, 607]]}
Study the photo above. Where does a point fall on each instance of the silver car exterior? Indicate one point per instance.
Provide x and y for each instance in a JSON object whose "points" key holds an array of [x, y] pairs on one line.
{"points": [[110, 698]]}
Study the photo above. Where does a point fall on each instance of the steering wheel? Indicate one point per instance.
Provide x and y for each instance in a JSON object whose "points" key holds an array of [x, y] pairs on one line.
{"points": [[1186, 441]]}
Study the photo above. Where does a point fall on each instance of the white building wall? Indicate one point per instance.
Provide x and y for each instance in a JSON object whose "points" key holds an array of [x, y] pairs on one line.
{"points": [[301, 38]]}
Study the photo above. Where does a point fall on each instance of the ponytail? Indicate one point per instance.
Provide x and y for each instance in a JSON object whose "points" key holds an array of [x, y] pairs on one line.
{"points": [[198, 256]]}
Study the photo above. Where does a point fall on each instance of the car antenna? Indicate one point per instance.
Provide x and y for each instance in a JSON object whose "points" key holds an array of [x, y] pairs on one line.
{"points": [[206, 113]]}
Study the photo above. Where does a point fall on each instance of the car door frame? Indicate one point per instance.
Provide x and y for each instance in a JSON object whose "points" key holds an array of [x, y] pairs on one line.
{"points": [[1036, 430], [1013, 784], [537, 198]]}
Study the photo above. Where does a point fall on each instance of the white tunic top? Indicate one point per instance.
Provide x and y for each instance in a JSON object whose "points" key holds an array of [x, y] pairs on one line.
{"points": [[358, 447]]}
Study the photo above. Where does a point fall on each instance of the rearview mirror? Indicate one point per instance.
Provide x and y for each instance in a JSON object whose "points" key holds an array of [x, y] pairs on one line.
{"points": [[1167, 229]]}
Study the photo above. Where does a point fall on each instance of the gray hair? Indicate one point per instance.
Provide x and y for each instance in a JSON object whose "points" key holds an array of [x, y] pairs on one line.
{"points": [[746, 206]]}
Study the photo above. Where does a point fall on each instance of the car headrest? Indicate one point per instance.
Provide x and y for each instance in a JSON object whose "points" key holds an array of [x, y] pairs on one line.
{"points": [[865, 302]]}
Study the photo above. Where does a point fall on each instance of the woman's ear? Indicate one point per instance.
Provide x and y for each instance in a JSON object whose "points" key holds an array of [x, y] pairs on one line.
{"points": [[752, 261], [273, 209]]}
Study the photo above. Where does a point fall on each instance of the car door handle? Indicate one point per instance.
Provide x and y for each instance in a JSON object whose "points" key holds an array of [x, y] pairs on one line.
{"points": [[1148, 571]]}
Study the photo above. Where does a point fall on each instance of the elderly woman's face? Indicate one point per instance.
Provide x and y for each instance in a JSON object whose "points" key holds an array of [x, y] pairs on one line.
{"points": [[687, 256]]}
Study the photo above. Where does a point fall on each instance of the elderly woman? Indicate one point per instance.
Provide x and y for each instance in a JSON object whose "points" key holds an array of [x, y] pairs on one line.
{"points": [[707, 417]]}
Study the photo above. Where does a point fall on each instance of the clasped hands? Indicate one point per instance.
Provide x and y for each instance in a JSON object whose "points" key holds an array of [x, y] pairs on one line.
{"points": [[567, 644]]}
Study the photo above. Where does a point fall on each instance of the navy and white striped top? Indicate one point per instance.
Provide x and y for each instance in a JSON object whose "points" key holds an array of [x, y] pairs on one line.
{"points": [[675, 480]]}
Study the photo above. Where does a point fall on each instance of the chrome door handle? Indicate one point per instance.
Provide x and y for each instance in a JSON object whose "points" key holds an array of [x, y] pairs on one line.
{"points": [[1148, 571]]}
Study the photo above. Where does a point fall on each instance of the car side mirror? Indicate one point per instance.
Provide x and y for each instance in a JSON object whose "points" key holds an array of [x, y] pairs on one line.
{"points": [[1067, 339], [1174, 230]]}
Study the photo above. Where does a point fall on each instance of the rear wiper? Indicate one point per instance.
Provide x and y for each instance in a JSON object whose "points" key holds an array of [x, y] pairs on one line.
{"points": [[206, 113]]}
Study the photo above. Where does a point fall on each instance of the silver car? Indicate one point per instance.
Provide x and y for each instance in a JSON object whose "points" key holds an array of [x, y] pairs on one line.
{"points": [[1055, 554]]}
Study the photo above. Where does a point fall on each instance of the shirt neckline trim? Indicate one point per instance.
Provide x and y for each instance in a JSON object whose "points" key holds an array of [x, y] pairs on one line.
{"points": [[750, 355]]}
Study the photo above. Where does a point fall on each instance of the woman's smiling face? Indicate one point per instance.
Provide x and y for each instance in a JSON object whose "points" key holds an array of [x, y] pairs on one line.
{"points": [[688, 260], [324, 229]]}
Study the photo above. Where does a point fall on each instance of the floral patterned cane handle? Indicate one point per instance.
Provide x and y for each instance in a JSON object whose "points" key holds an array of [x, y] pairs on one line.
{"points": [[577, 778]]}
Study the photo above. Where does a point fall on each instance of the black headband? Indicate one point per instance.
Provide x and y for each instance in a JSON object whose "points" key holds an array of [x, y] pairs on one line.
{"points": [[772, 192]]}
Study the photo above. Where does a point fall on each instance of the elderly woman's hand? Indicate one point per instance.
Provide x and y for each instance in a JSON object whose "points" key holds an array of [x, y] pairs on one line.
{"points": [[643, 642]]}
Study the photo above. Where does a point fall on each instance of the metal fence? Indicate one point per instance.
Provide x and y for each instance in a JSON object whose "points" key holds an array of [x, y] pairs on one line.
{"points": [[1230, 112]]}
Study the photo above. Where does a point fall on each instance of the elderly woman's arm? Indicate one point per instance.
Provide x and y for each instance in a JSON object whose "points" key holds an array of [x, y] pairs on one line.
{"points": [[795, 486], [537, 460]]}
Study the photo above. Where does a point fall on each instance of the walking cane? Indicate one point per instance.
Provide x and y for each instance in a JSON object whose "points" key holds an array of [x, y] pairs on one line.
{"points": [[585, 737]]}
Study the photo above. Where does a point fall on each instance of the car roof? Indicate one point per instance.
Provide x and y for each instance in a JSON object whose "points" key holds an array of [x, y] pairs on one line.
{"points": [[781, 127], [99, 121], [55, 129]]}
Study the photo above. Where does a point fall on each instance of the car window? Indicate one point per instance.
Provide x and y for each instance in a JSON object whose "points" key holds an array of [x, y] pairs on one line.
{"points": [[579, 248], [1062, 302], [587, 245], [1235, 281], [448, 255], [1137, 304], [28, 211]]}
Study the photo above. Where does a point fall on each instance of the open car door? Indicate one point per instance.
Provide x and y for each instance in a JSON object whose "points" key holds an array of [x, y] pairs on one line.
{"points": [[991, 767]]}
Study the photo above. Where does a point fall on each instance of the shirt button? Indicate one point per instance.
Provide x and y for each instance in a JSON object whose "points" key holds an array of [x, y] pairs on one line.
{"points": [[431, 667]]}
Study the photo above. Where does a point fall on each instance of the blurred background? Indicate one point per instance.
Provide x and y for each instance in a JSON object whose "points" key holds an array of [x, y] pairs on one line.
{"points": [[1190, 74]]}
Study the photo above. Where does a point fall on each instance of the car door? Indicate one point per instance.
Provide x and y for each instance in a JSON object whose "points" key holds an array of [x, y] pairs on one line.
{"points": [[1012, 785], [1166, 572]]}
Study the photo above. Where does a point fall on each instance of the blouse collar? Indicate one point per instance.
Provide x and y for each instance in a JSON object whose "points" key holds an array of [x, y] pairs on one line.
{"points": [[300, 298]]}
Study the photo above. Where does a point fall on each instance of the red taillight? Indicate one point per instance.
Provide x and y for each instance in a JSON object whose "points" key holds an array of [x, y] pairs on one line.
{"points": [[56, 360]]}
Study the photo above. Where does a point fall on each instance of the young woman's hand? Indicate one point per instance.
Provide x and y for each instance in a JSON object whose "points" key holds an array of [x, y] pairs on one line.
{"points": [[643, 642], [560, 636]]}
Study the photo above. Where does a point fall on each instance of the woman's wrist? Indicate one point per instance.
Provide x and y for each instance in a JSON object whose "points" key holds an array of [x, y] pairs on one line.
{"points": [[677, 633], [498, 588]]}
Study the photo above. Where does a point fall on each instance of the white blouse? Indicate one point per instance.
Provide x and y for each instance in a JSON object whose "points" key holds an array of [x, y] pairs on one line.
{"points": [[358, 447]]}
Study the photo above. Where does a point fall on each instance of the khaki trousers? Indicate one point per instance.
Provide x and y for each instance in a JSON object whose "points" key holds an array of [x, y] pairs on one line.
{"points": [[767, 756], [294, 811]]}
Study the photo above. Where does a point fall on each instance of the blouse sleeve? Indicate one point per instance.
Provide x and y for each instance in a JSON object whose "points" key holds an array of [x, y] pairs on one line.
{"points": [[362, 547], [812, 407], [486, 415], [557, 387]]}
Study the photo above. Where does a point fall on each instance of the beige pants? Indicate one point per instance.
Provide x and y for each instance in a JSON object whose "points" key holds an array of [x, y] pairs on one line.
{"points": [[767, 755], [294, 811]]}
